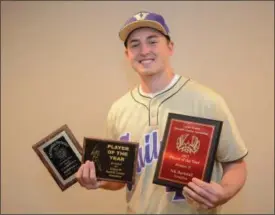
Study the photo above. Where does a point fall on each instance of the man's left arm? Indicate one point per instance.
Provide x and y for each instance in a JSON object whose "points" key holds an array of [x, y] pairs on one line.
{"points": [[234, 177], [211, 195]]}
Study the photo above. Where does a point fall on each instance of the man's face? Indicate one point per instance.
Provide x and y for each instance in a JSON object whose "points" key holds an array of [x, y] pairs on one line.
{"points": [[148, 51]]}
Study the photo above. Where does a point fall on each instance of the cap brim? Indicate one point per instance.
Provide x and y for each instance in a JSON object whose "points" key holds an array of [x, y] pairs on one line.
{"points": [[124, 33]]}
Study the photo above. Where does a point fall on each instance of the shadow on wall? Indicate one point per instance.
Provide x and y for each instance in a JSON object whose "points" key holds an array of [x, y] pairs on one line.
{"points": [[130, 74]]}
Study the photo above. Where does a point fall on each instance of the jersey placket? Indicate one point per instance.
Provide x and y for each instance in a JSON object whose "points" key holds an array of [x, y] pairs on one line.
{"points": [[153, 112]]}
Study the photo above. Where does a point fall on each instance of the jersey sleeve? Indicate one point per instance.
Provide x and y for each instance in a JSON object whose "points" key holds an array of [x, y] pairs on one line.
{"points": [[110, 130], [231, 145]]}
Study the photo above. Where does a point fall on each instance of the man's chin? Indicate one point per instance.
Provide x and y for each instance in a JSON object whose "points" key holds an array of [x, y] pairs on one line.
{"points": [[147, 72]]}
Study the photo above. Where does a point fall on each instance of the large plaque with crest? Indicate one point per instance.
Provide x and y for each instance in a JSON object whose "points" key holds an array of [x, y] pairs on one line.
{"points": [[188, 150]]}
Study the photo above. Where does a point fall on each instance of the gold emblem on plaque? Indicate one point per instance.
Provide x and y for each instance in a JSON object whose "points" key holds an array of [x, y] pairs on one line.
{"points": [[95, 157], [190, 147]]}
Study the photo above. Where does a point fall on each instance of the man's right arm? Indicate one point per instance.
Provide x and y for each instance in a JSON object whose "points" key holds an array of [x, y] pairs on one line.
{"points": [[106, 185], [86, 174], [86, 177]]}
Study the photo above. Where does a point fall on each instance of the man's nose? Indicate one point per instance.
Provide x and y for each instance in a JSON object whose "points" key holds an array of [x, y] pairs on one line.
{"points": [[145, 49]]}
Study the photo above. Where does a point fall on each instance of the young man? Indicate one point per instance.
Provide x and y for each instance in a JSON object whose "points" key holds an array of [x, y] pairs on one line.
{"points": [[141, 114]]}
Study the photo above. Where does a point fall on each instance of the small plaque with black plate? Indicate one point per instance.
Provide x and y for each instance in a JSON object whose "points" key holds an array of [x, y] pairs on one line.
{"points": [[61, 154]]}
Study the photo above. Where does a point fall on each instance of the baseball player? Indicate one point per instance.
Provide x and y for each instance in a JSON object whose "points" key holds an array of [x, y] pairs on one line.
{"points": [[141, 114]]}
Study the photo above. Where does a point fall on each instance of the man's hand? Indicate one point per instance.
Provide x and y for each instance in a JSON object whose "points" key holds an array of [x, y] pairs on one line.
{"points": [[86, 176], [210, 195], [205, 195]]}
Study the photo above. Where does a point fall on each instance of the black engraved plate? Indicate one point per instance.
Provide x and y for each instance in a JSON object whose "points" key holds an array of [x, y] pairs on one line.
{"points": [[114, 160], [63, 157]]}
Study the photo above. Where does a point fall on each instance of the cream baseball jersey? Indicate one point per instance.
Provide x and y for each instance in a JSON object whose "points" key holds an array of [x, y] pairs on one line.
{"points": [[142, 118]]}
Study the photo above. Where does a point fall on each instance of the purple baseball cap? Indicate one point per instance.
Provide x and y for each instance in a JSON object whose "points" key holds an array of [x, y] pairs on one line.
{"points": [[144, 19]]}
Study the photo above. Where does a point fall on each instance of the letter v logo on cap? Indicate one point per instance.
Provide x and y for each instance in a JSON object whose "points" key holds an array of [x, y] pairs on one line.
{"points": [[141, 15]]}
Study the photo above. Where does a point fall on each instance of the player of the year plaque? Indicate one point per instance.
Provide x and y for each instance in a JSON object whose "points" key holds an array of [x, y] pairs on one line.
{"points": [[188, 150], [114, 160]]}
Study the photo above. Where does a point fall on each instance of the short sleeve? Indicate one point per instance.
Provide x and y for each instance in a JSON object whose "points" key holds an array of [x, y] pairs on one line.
{"points": [[110, 130], [231, 146]]}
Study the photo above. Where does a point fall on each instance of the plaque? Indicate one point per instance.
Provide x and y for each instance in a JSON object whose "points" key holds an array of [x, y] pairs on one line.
{"points": [[114, 160], [61, 154], [188, 150]]}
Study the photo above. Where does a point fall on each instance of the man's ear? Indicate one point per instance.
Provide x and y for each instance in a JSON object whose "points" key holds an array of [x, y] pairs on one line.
{"points": [[171, 47], [126, 52]]}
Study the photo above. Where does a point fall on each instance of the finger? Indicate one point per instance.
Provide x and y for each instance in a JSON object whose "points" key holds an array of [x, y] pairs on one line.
{"points": [[204, 185], [192, 202], [197, 197], [78, 175], [86, 173], [195, 202], [188, 198], [93, 179], [201, 191], [101, 184]]}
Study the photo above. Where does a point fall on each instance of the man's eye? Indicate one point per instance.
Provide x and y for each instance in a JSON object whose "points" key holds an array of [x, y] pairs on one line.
{"points": [[152, 42], [134, 45]]}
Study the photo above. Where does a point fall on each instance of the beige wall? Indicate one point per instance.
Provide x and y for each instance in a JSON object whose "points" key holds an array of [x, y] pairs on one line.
{"points": [[62, 62]]}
